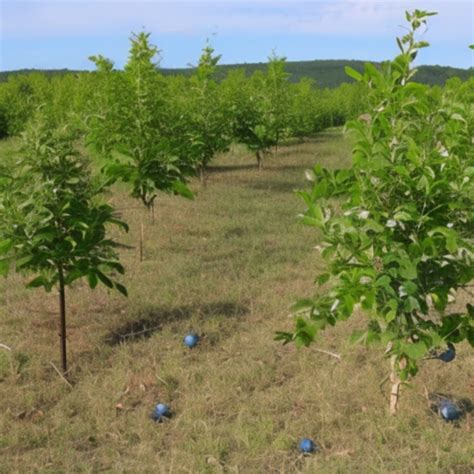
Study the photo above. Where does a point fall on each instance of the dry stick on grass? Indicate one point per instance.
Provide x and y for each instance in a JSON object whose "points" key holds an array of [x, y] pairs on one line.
{"points": [[332, 354], [3, 346], [427, 395], [63, 378]]}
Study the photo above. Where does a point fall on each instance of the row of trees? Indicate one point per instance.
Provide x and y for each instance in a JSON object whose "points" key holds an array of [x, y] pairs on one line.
{"points": [[399, 240], [145, 130], [201, 115]]}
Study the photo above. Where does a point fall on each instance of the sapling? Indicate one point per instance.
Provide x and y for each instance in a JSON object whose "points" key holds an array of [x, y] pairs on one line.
{"points": [[208, 130], [140, 154], [270, 94], [397, 227], [54, 221]]}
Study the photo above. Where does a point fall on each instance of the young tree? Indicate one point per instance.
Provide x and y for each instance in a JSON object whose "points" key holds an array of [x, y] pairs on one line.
{"points": [[53, 221], [400, 244], [209, 127], [258, 108], [270, 98], [277, 89], [104, 93], [304, 113], [140, 154]]}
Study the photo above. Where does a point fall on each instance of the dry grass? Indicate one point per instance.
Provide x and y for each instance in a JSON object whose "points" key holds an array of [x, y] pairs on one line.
{"points": [[227, 265]]}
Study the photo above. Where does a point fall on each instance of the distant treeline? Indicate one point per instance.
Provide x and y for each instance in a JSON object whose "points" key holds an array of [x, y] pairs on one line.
{"points": [[326, 73]]}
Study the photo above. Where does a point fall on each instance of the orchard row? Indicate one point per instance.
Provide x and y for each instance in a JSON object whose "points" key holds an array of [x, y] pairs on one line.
{"points": [[399, 243]]}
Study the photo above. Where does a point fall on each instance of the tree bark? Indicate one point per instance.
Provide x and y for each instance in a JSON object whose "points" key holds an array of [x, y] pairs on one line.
{"points": [[396, 382], [152, 212], [62, 318], [142, 232], [259, 160], [202, 175]]}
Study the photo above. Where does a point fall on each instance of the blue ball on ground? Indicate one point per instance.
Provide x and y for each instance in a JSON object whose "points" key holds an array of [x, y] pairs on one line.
{"points": [[161, 411], [449, 354], [449, 411], [307, 446], [191, 340]]}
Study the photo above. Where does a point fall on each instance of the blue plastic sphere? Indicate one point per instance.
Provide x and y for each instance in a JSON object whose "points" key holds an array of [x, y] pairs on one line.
{"points": [[448, 355], [449, 411], [307, 446], [191, 340], [162, 410]]}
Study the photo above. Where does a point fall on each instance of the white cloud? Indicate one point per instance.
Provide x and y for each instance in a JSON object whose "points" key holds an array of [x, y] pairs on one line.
{"points": [[364, 18]]}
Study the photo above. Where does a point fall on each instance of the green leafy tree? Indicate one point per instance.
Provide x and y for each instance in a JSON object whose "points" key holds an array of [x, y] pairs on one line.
{"points": [[139, 153], [398, 226], [104, 93], [270, 97], [277, 89], [53, 220], [304, 113], [209, 127], [19, 98], [258, 108]]}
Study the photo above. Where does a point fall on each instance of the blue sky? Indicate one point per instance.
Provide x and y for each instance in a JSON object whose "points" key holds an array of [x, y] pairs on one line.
{"points": [[62, 34]]}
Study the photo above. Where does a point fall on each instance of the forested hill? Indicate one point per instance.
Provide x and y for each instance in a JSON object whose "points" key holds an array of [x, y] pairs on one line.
{"points": [[330, 73], [326, 73]]}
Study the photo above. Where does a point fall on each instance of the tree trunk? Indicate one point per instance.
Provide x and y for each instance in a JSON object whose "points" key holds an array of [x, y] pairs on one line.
{"points": [[62, 318], [141, 240], [259, 160], [396, 382], [202, 175], [152, 212]]}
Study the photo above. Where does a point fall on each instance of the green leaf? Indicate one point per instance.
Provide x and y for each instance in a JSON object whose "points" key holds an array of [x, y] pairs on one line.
{"points": [[408, 270], [302, 305], [92, 279], [415, 350], [121, 289], [411, 304], [353, 73], [286, 337], [324, 278], [104, 279], [180, 188], [384, 281], [37, 282], [23, 261]]}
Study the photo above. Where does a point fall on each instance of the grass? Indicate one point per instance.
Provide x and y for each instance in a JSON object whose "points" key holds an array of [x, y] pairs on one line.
{"points": [[228, 265]]}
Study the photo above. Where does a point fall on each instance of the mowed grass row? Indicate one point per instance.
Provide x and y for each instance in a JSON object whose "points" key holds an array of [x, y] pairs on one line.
{"points": [[227, 265]]}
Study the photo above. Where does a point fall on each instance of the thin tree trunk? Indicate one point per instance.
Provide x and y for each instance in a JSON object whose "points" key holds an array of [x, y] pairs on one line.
{"points": [[152, 212], [62, 317], [396, 382], [141, 240], [202, 175], [259, 160]]}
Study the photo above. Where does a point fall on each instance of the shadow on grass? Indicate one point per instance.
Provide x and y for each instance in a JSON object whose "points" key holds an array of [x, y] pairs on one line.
{"points": [[152, 320], [464, 404], [276, 186], [226, 169]]}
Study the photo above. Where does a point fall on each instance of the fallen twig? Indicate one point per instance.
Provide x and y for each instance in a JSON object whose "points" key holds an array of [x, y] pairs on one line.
{"points": [[61, 375], [333, 354], [3, 346]]}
